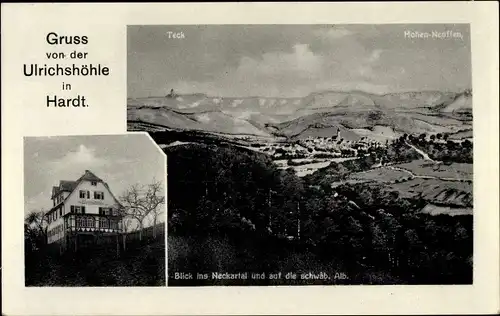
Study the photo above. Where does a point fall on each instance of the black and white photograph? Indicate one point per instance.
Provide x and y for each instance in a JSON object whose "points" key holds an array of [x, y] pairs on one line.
{"points": [[94, 211], [310, 154]]}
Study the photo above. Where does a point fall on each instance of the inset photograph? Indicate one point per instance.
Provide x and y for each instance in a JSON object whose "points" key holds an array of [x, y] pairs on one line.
{"points": [[310, 154], [94, 211]]}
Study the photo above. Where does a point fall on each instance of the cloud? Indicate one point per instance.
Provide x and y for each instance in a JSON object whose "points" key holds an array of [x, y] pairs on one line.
{"points": [[366, 67], [333, 33], [375, 55], [81, 158], [270, 74], [69, 166], [81, 155], [300, 62]]}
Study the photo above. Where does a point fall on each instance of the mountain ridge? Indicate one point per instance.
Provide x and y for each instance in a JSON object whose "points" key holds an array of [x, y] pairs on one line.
{"points": [[407, 112]]}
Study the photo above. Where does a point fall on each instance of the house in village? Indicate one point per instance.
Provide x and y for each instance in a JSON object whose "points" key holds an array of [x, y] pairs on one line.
{"points": [[84, 211]]}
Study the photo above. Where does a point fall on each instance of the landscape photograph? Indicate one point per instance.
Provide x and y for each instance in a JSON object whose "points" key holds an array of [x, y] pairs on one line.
{"points": [[310, 154], [94, 211]]}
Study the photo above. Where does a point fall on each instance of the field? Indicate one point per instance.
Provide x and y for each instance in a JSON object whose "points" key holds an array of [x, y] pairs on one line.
{"points": [[452, 211], [306, 166], [452, 193], [447, 190], [458, 171], [382, 174]]}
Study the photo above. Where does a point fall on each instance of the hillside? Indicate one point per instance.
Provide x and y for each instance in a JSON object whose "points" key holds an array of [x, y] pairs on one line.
{"points": [[234, 211], [357, 114]]}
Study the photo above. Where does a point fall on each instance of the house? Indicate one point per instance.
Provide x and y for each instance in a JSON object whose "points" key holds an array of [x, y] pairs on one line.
{"points": [[84, 211]]}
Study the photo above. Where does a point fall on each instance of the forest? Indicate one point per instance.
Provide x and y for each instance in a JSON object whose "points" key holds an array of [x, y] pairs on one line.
{"points": [[230, 210]]}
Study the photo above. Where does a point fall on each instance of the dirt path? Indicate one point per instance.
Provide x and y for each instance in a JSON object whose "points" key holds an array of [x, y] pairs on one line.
{"points": [[422, 177], [421, 152]]}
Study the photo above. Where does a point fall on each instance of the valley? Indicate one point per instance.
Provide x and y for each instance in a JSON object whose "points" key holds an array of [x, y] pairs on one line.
{"points": [[418, 144]]}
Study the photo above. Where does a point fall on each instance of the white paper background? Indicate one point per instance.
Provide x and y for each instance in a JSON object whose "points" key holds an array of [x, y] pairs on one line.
{"points": [[24, 113]]}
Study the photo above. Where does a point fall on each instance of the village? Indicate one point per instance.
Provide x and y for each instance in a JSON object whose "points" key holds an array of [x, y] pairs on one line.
{"points": [[319, 148]]}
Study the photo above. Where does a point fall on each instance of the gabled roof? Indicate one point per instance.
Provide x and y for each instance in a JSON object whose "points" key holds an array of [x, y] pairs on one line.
{"points": [[70, 186], [64, 186], [89, 176]]}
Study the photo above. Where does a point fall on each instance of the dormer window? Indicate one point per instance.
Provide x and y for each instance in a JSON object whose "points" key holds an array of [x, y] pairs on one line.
{"points": [[94, 183]]}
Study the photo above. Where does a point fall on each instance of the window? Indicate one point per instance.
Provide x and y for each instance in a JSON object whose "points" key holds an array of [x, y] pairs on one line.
{"points": [[89, 222], [98, 195], [107, 211], [60, 211], [113, 224], [103, 222], [85, 221], [77, 209], [84, 194], [94, 183]]}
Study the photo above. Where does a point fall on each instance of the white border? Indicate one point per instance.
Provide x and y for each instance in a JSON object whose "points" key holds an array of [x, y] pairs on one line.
{"points": [[22, 25]]}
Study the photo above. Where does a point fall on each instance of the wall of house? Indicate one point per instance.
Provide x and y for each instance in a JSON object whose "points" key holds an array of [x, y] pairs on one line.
{"points": [[60, 197], [55, 230], [91, 205]]}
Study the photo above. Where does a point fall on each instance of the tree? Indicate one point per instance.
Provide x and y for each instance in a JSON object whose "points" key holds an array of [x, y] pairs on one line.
{"points": [[450, 144], [139, 202], [126, 224], [467, 144], [155, 200], [36, 224], [433, 137]]}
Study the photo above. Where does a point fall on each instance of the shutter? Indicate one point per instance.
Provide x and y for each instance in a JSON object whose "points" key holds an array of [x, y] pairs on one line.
{"points": [[100, 210], [88, 194], [83, 209], [102, 196], [72, 209]]}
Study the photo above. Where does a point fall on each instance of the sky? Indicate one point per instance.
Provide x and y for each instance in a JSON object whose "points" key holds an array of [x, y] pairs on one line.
{"points": [[120, 160], [295, 60]]}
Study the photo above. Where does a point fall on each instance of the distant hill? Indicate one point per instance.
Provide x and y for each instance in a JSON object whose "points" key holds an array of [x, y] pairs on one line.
{"points": [[356, 114]]}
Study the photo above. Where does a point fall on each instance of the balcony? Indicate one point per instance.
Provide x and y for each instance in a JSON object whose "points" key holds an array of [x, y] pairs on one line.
{"points": [[92, 223]]}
